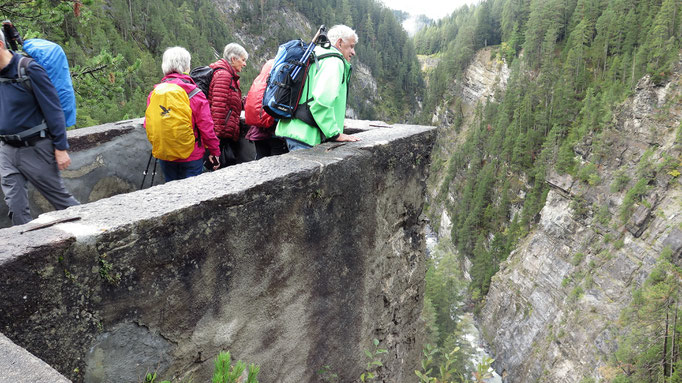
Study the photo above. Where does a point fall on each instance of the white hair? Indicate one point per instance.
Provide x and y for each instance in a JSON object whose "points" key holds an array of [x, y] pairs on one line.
{"points": [[233, 50], [342, 32], [176, 59], [2, 38]]}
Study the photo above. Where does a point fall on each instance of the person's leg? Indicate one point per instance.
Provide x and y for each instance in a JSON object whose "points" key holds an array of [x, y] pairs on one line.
{"points": [[227, 155], [234, 146], [14, 186], [262, 149], [277, 146], [169, 169], [16, 196], [191, 168], [38, 164], [296, 145]]}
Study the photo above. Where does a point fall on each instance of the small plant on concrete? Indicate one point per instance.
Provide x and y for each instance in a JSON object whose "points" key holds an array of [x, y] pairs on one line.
{"points": [[327, 374], [374, 362], [105, 271], [225, 372], [151, 378]]}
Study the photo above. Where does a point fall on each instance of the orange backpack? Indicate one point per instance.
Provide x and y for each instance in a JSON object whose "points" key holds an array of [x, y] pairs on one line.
{"points": [[253, 107]]}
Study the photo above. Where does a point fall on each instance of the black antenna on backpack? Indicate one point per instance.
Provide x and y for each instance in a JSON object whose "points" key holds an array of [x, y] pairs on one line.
{"points": [[322, 39]]}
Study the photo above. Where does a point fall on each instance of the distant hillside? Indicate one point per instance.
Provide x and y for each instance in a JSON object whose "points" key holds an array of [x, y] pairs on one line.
{"points": [[574, 68], [115, 46]]}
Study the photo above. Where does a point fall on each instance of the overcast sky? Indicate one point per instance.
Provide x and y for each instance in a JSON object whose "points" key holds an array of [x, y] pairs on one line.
{"points": [[434, 9]]}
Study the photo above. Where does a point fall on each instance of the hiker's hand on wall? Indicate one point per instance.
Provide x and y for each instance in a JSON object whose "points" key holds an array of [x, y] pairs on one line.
{"points": [[63, 159], [343, 137]]}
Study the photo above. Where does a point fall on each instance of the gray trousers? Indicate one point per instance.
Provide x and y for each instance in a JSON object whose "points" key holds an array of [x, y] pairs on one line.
{"points": [[37, 165]]}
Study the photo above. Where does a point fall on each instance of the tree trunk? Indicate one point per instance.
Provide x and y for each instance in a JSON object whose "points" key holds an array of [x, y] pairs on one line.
{"points": [[675, 350], [665, 347]]}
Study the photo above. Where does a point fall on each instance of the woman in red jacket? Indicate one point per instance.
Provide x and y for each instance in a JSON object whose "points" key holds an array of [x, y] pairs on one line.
{"points": [[225, 98]]}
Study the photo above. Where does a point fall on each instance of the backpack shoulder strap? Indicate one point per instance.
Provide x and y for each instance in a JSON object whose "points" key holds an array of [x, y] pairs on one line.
{"points": [[22, 74], [193, 92], [327, 55]]}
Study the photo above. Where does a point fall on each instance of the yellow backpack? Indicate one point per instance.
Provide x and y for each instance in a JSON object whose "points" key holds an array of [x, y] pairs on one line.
{"points": [[169, 122]]}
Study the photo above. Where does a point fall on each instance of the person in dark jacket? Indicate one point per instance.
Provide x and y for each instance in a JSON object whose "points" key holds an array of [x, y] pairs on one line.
{"points": [[225, 97], [33, 144]]}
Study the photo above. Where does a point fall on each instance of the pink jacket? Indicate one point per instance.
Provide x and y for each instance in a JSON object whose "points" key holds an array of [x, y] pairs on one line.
{"points": [[201, 118]]}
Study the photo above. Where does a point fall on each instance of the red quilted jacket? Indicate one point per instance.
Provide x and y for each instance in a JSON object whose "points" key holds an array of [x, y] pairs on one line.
{"points": [[225, 98]]}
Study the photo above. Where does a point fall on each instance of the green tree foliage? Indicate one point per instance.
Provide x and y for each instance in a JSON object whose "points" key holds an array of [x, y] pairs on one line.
{"points": [[443, 307], [115, 46], [648, 347], [572, 62], [383, 46]]}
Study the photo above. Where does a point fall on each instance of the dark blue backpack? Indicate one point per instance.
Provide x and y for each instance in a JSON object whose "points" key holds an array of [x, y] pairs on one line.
{"points": [[288, 75], [283, 92]]}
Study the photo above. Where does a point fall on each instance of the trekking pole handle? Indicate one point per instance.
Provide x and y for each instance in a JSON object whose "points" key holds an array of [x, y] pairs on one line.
{"points": [[321, 30]]}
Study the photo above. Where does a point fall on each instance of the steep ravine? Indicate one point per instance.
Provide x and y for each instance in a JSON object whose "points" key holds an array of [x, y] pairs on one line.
{"points": [[551, 310]]}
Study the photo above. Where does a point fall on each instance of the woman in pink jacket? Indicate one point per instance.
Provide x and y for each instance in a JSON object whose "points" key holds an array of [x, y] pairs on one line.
{"points": [[175, 66]]}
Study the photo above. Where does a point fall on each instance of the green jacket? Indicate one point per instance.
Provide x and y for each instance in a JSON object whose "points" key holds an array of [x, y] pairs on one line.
{"points": [[328, 82]]}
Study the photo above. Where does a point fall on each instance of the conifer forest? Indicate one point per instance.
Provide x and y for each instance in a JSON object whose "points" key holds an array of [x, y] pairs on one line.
{"points": [[571, 64]]}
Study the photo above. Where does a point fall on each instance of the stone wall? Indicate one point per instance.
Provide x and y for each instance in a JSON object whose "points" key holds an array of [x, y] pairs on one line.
{"points": [[107, 160], [291, 262]]}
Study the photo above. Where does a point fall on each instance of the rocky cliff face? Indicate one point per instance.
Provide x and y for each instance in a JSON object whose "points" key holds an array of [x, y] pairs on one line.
{"points": [[482, 79], [550, 312]]}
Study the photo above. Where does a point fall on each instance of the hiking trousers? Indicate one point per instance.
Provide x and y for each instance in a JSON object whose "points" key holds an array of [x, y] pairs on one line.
{"points": [[35, 164]]}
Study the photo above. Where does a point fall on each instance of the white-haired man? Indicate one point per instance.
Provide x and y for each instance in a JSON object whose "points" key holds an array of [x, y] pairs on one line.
{"points": [[33, 145], [322, 109]]}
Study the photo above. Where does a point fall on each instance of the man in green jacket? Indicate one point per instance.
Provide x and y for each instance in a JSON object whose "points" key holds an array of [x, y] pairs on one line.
{"points": [[326, 91]]}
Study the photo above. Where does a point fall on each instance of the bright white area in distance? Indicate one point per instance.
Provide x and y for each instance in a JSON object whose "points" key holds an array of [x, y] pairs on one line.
{"points": [[433, 9]]}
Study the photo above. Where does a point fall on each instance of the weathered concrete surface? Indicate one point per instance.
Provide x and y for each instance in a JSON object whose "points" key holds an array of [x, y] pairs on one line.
{"points": [[291, 262], [107, 160], [18, 365]]}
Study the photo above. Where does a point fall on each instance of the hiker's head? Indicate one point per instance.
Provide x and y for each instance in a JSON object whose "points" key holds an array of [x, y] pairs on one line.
{"points": [[236, 56], [176, 59], [344, 39]]}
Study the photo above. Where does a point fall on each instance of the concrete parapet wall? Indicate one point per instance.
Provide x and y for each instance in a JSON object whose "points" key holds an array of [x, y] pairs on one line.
{"points": [[291, 262], [105, 160]]}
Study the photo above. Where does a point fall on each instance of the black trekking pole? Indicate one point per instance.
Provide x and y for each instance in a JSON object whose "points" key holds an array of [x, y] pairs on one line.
{"points": [[153, 172], [146, 170]]}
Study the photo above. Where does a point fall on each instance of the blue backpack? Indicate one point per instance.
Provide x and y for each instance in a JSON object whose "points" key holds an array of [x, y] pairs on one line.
{"points": [[53, 59]]}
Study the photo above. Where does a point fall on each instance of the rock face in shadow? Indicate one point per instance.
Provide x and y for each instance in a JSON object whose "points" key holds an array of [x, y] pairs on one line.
{"points": [[292, 262]]}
